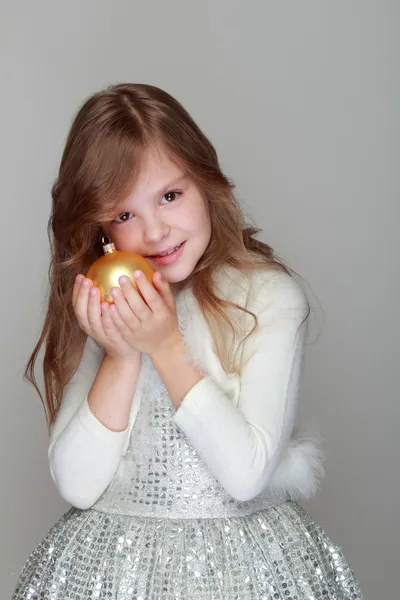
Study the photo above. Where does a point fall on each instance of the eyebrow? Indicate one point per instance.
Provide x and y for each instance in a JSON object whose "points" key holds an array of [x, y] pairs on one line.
{"points": [[162, 190], [165, 188]]}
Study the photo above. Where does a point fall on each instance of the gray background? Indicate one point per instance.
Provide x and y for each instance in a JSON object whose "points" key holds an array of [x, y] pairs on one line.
{"points": [[301, 101]]}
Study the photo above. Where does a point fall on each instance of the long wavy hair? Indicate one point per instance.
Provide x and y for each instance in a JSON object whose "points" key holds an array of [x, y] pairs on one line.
{"points": [[108, 139]]}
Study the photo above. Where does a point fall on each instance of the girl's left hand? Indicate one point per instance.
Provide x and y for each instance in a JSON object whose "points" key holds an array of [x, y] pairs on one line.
{"points": [[148, 325]]}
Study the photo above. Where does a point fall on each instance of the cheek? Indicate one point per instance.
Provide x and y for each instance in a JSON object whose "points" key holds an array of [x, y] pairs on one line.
{"points": [[204, 221], [195, 219], [122, 238]]}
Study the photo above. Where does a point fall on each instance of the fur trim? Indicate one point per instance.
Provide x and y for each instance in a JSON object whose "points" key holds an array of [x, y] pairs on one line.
{"points": [[300, 471]]}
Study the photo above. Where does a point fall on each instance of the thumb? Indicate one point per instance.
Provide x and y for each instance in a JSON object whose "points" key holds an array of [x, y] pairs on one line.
{"points": [[163, 287]]}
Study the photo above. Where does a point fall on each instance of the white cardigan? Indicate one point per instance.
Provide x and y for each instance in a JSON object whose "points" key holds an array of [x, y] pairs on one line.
{"points": [[243, 428]]}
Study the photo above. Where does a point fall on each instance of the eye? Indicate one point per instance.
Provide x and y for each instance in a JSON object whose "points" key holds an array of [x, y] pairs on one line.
{"points": [[171, 193], [125, 216]]}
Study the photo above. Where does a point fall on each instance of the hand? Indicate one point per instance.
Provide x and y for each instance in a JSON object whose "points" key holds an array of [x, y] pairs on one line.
{"points": [[148, 320], [87, 309], [132, 324]]}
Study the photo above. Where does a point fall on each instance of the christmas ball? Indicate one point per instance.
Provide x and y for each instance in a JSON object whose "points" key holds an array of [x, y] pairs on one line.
{"points": [[107, 269]]}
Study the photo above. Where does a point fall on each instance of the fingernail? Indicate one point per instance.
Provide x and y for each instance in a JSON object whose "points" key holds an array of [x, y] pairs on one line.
{"points": [[93, 291], [124, 279], [85, 281], [114, 292], [137, 274]]}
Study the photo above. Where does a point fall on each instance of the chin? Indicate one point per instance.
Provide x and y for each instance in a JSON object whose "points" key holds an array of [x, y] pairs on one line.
{"points": [[177, 277], [175, 280]]}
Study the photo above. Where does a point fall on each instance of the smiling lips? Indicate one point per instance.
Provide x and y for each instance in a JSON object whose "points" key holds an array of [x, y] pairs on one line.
{"points": [[169, 258], [166, 252]]}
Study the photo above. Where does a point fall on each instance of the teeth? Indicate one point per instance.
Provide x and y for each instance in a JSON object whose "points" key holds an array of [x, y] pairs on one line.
{"points": [[170, 252]]}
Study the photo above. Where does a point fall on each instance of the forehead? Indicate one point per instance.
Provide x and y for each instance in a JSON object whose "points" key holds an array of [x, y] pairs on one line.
{"points": [[157, 167], [157, 171]]}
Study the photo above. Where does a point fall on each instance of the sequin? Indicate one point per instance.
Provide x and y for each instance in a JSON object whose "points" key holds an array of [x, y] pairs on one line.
{"points": [[90, 554], [165, 529], [161, 475]]}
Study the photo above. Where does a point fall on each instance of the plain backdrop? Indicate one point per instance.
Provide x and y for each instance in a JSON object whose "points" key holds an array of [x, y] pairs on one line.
{"points": [[301, 102]]}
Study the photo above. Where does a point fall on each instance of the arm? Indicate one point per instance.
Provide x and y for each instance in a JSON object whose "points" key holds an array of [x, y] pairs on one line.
{"points": [[242, 445], [173, 360], [91, 427]]}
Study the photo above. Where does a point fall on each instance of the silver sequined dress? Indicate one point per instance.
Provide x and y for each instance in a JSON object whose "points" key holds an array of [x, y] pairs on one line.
{"points": [[165, 529]]}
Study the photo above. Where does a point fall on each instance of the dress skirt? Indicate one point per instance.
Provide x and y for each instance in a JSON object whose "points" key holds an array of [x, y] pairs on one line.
{"points": [[276, 553]]}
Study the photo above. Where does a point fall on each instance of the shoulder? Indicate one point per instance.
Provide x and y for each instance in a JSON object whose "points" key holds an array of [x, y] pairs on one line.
{"points": [[273, 287], [263, 287]]}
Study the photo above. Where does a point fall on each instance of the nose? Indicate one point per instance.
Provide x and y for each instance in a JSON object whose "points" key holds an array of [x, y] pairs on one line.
{"points": [[155, 230]]}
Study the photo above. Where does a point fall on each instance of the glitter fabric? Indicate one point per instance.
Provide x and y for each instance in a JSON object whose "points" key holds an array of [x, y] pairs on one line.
{"points": [[165, 529], [277, 553], [161, 475]]}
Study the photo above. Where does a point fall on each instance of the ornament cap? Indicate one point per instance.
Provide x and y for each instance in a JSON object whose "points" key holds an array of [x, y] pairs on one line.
{"points": [[108, 245]]}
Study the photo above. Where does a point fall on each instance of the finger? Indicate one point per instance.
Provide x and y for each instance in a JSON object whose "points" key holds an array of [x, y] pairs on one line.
{"points": [[94, 312], [81, 306], [77, 285], [123, 329], [149, 292], [164, 289], [109, 327], [139, 300], [128, 315]]}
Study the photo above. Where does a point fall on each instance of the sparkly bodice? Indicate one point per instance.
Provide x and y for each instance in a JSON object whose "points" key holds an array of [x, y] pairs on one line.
{"points": [[161, 474]]}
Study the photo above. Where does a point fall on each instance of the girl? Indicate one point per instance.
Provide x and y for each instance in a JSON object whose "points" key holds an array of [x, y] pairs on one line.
{"points": [[172, 411]]}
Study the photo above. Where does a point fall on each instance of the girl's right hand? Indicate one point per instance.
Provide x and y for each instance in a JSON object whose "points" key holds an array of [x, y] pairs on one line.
{"points": [[97, 324]]}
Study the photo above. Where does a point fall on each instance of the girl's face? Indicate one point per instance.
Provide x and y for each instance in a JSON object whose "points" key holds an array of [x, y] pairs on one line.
{"points": [[163, 210]]}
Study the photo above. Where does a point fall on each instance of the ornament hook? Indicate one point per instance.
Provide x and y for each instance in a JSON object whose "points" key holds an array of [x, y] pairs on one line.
{"points": [[108, 245]]}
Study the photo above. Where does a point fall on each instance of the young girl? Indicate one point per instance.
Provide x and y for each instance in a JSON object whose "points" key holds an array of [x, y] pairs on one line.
{"points": [[172, 410]]}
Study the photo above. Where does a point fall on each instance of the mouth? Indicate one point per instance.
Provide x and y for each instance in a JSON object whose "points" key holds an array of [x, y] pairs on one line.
{"points": [[168, 258]]}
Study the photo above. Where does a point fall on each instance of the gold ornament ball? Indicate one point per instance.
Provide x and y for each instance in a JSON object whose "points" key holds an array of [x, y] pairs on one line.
{"points": [[107, 269]]}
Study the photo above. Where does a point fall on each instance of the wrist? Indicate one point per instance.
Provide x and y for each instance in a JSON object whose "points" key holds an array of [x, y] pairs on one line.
{"points": [[121, 361], [175, 343]]}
